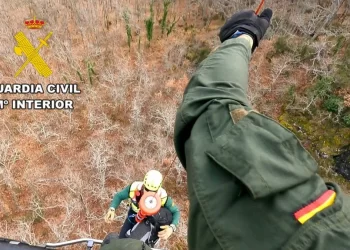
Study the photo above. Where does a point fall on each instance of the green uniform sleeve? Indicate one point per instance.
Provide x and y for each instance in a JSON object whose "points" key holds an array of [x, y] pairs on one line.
{"points": [[119, 197], [224, 72], [247, 170], [223, 76], [174, 210]]}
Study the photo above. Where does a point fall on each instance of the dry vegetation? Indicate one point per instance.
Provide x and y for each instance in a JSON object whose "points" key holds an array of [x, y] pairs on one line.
{"points": [[59, 169]]}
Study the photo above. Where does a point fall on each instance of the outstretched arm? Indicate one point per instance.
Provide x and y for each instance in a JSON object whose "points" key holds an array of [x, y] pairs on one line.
{"points": [[223, 76], [119, 197]]}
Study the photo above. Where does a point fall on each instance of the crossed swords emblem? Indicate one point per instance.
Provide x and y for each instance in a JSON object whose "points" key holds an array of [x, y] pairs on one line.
{"points": [[32, 54]]}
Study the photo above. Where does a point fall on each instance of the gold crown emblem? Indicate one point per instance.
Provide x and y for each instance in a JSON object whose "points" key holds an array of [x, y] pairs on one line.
{"points": [[34, 23]]}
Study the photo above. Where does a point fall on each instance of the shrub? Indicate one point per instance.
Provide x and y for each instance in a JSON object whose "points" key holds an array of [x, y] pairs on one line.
{"points": [[197, 54], [346, 120], [323, 87], [80, 76], [281, 46], [149, 23], [127, 27], [91, 71], [343, 70], [291, 93], [339, 44], [163, 23], [333, 104], [171, 26], [306, 52]]}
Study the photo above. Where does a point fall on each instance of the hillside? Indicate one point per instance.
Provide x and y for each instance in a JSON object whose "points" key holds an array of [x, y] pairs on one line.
{"points": [[59, 169]]}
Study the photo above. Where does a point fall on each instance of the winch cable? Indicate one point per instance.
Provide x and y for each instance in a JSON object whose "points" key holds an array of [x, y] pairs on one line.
{"points": [[259, 7]]}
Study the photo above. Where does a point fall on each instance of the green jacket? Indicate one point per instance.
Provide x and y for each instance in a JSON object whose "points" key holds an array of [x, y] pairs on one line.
{"points": [[247, 175]]}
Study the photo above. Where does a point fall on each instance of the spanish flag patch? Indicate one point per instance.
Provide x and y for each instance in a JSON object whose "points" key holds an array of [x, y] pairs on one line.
{"points": [[306, 213]]}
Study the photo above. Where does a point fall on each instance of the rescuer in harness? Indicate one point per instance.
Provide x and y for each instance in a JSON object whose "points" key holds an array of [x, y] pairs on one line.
{"points": [[152, 183]]}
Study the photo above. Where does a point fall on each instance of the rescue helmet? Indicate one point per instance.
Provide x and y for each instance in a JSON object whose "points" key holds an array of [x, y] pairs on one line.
{"points": [[153, 180]]}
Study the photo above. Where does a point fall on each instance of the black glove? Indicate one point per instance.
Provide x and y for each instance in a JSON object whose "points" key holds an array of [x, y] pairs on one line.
{"points": [[247, 22]]}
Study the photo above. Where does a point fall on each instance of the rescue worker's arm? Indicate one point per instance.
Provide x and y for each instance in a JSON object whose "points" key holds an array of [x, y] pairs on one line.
{"points": [[174, 210], [117, 199], [167, 230]]}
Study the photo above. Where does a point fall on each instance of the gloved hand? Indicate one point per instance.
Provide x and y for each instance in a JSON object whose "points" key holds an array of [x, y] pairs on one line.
{"points": [[110, 215], [247, 22], [166, 232]]}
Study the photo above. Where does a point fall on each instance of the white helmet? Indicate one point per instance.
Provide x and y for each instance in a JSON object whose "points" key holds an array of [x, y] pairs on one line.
{"points": [[153, 180]]}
